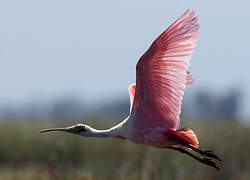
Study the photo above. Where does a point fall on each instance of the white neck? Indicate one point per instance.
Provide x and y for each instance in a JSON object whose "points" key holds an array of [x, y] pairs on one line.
{"points": [[102, 133], [116, 131]]}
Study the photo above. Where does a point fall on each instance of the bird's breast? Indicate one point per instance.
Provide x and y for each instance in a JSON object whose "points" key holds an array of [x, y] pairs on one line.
{"points": [[153, 137]]}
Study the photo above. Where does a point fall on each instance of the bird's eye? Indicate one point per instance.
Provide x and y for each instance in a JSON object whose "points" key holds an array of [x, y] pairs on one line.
{"points": [[82, 129]]}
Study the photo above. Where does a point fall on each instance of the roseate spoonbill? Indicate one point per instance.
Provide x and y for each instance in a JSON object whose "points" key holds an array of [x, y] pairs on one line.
{"points": [[155, 99]]}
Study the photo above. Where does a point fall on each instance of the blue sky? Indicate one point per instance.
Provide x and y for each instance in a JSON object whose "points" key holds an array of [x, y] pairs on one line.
{"points": [[57, 48]]}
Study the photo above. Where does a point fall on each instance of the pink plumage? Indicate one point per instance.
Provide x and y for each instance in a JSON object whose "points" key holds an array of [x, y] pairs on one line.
{"points": [[189, 79], [131, 92], [155, 99], [161, 74]]}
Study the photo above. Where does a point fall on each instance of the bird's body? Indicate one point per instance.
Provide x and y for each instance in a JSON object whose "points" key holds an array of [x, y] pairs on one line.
{"points": [[155, 99]]}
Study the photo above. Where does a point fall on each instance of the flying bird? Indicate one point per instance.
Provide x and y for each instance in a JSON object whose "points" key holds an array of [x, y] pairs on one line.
{"points": [[155, 99]]}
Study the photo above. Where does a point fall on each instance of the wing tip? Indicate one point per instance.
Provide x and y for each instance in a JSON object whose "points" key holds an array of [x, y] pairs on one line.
{"points": [[187, 19]]}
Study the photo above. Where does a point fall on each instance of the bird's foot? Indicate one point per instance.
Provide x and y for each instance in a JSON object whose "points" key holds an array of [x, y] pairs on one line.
{"points": [[208, 153], [209, 162]]}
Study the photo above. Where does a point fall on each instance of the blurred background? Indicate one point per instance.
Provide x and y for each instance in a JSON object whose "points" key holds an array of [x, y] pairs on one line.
{"points": [[68, 62]]}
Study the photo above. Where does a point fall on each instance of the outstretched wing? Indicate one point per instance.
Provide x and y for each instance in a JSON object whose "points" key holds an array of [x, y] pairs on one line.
{"points": [[162, 76]]}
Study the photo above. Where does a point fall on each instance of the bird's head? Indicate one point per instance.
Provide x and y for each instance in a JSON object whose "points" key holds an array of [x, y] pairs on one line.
{"points": [[79, 129]]}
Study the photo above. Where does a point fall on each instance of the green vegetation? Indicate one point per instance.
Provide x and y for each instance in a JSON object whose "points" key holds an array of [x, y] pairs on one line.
{"points": [[26, 154]]}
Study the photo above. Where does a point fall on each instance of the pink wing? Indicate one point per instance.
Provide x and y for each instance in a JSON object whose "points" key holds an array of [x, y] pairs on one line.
{"points": [[131, 91], [162, 76]]}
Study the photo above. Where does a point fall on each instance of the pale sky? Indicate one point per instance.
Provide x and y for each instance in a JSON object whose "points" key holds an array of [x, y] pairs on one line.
{"points": [[57, 48]]}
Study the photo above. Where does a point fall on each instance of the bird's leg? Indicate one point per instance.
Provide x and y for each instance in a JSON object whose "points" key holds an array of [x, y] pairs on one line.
{"points": [[207, 153], [204, 160]]}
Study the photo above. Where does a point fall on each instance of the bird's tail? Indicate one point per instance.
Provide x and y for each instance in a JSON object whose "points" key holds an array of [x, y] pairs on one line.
{"points": [[185, 135]]}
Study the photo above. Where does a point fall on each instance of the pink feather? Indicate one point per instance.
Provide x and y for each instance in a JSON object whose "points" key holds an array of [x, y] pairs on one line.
{"points": [[162, 76]]}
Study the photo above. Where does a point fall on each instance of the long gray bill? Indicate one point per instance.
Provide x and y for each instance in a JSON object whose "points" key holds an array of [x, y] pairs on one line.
{"points": [[54, 129]]}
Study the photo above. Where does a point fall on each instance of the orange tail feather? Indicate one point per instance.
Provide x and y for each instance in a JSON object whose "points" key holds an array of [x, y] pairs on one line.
{"points": [[185, 135]]}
